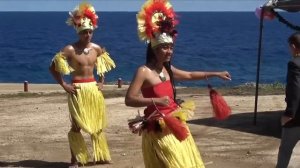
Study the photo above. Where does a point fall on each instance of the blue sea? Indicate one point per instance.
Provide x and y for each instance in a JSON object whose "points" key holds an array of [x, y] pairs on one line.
{"points": [[207, 41]]}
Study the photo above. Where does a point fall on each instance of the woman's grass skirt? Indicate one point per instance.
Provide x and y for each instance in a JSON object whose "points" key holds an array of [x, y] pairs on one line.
{"points": [[161, 149], [87, 109]]}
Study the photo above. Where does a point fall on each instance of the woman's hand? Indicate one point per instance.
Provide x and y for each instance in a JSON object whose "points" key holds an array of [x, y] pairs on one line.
{"points": [[224, 75], [69, 88], [163, 101]]}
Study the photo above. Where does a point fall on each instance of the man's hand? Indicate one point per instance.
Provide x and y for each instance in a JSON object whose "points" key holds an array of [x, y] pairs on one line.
{"points": [[100, 82], [69, 88], [100, 85]]}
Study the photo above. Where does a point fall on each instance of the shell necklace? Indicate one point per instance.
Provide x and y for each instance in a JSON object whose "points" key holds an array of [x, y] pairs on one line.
{"points": [[161, 76], [86, 51]]}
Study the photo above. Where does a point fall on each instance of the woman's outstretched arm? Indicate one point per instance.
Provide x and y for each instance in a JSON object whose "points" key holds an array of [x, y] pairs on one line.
{"points": [[182, 75]]}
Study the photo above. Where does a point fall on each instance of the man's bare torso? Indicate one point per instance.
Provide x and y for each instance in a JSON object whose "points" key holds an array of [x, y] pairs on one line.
{"points": [[82, 63]]}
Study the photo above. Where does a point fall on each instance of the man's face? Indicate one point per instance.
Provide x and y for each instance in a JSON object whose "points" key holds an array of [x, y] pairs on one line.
{"points": [[86, 35]]}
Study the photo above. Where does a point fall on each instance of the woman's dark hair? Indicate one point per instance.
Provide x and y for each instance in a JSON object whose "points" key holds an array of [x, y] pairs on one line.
{"points": [[167, 65], [295, 39], [150, 54], [150, 57]]}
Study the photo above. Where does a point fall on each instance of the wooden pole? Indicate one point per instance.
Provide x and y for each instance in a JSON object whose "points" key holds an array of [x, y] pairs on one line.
{"points": [[258, 63]]}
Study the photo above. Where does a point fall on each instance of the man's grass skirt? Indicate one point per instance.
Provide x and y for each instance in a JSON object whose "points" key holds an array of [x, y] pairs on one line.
{"points": [[87, 110]]}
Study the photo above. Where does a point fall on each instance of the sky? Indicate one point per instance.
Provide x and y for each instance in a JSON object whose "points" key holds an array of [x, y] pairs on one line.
{"points": [[130, 5]]}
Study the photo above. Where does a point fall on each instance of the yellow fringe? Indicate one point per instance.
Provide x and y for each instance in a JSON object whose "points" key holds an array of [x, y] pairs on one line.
{"points": [[104, 64], [162, 124], [100, 147], [61, 64], [188, 105], [78, 147], [87, 107], [186, 111], [164, 150]]}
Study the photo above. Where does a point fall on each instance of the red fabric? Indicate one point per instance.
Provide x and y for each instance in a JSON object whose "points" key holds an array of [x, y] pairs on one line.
{"points": [[160, 90], [220, 107], [176, 127], [83, 80]]}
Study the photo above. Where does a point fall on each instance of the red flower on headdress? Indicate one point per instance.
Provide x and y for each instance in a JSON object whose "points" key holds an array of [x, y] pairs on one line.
{"points": [[158, 7], [92, 16], [156, 16], [84, 10], [167, 26]]}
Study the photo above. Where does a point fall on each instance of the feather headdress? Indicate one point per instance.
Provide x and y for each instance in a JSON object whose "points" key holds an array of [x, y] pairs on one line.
{"points": [[156, 22], [83, 17]]}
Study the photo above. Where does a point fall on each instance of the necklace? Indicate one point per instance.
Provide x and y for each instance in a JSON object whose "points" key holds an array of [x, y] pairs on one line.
{"points": [[86, 51], [162, 76]]}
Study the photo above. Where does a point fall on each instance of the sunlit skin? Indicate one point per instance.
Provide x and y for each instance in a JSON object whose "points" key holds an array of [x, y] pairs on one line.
{"points": [[82, 63], [148, 76], [164, 53]]}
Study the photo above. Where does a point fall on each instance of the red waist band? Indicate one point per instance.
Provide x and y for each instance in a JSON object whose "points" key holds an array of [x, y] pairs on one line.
{"points": [[83, 80]]}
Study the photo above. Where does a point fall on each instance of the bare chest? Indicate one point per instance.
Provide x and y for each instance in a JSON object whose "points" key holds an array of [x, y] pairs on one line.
{"points": [[84, 59]]}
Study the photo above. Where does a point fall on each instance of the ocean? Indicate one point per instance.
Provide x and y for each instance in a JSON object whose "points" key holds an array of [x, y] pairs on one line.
{"points": [[207, 41]]}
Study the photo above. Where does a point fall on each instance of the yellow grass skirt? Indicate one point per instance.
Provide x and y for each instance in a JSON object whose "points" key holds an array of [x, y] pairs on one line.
{"points": [[164, 150], [87, 109]]}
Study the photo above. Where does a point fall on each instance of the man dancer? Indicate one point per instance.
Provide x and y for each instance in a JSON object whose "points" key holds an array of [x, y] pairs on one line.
{"points": [[85, 100]]}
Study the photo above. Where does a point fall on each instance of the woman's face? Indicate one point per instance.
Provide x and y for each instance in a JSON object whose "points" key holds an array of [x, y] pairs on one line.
{"points": [[164, 52]]}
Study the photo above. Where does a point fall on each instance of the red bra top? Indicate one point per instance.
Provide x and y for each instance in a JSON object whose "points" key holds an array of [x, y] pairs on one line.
{"points": [[160, 90]]}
